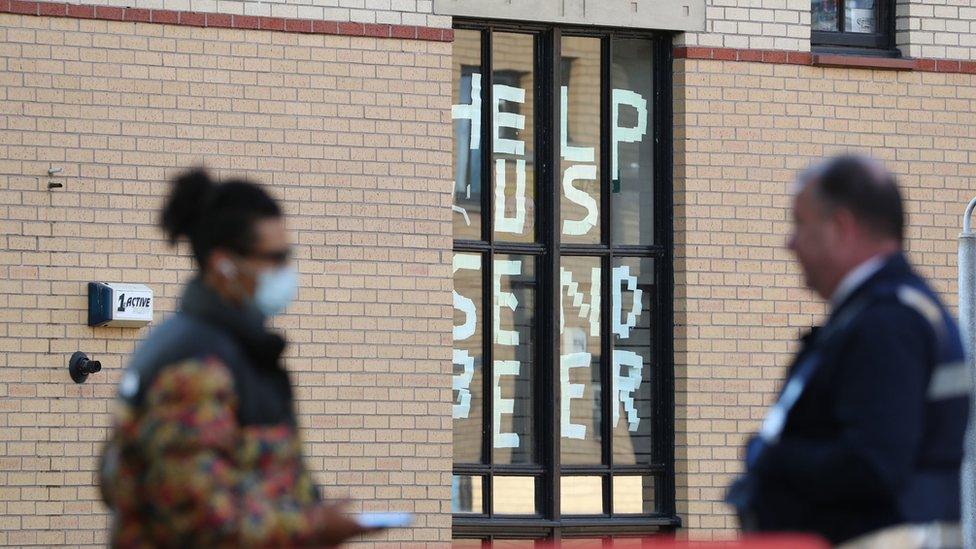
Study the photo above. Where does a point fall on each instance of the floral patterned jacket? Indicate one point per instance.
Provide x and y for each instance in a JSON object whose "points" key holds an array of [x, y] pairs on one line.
{"points": [[205, 451]]}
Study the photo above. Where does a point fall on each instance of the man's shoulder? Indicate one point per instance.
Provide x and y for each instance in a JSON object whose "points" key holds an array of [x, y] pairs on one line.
{"points": [[904, 297], [179, 338]]}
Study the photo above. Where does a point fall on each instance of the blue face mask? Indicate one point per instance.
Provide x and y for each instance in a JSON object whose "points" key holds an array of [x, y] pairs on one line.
{"points": [[276, 288]]}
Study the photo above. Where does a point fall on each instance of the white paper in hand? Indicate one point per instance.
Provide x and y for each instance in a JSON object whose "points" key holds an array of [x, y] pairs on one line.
{"points": [[384, 520]]}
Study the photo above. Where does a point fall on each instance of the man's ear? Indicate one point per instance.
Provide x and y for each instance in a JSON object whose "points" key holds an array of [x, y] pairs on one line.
{"points": [[220, 262], [846, 225]]}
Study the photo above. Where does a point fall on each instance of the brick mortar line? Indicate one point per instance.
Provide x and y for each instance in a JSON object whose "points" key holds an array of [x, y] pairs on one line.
{"points": [[783, 57], [225, 20]]}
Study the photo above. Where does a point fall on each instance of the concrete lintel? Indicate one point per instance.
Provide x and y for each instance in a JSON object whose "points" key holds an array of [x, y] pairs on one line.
{"points": [[676, 15]]}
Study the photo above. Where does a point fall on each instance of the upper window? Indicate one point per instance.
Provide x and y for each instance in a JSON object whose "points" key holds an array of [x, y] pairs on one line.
{"points": [[855, 26], [563, 403]]}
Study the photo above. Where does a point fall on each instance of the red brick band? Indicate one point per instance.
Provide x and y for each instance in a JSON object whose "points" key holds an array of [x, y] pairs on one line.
{"points": [[826, 60], [225, 20]]}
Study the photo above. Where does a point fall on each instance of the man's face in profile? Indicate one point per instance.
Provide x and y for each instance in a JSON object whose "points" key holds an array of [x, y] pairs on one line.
{"points": [[813, 240]]}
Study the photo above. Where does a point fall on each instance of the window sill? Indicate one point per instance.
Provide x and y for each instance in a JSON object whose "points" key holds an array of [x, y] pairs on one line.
{"points": [[863, 62]]}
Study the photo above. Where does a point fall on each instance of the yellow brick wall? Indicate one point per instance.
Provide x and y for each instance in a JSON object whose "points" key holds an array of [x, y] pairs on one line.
{"points": [[742, 130], [352, 134]]}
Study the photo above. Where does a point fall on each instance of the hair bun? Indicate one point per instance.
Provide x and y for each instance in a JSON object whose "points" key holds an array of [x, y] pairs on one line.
{"points": [[186, 203]]}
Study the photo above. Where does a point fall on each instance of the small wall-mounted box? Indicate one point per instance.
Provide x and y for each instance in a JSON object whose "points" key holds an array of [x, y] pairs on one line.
{"points": [[122, 305]]}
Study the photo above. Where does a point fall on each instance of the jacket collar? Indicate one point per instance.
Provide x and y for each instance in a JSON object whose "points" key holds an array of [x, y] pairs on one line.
{"points": [[895, 266], [246, 325]]}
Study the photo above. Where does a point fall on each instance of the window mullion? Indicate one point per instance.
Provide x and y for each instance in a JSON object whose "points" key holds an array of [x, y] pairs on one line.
{"points": [[487, 226], [606, 187], [552, 199]]}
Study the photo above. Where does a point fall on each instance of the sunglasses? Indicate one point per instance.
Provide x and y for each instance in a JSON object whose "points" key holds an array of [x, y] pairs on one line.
{"points": [[278, 257]]}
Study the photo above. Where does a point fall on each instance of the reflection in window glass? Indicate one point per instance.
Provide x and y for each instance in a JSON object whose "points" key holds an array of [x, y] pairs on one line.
{"points": [[579, 137], [824, 15], [467, 355], [632, 288], [581, 495], [513, 314], [466, 494], [513, 134], [632, 142], [466, 111], [633, 495], [513, 495], [860, 16], [579, 361]]}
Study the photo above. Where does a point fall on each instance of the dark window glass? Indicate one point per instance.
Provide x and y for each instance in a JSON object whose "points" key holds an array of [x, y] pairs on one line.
{"points": [[579, 140], [561, 423], [468, 357], [467, 115], [513, 311], [858, 26], [513, 136]]}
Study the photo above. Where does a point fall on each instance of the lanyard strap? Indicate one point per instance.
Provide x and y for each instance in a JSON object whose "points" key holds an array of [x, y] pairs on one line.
{"points": [[775, 420]]}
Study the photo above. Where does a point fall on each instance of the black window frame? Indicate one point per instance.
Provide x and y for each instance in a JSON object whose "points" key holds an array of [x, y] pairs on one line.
{"points": [[880, 44], [549, 524]]}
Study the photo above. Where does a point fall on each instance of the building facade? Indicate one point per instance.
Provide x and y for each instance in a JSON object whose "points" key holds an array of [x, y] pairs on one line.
{"points": [[544, 286]]}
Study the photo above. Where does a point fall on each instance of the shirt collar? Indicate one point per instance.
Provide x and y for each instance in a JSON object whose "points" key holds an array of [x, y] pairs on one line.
{"points": [[855, 278]]}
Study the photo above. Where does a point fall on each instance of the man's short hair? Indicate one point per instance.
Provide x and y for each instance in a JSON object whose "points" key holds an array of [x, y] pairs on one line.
{"points": [[863, 187]]}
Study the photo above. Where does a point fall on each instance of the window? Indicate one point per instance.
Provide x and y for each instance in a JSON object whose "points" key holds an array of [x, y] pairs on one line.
{"points": [[854, 26], [563, 399]]}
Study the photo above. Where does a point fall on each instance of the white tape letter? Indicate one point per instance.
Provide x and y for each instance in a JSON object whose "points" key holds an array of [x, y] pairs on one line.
{"points": [[621, 274], [624, 386], [508, 119], [514, 225], [507, 299], [503, 405], [471, 112], [573, 154], [462, 384], [570, 391], [572, 290], [626, 135], [575, 173], [463, 304]]}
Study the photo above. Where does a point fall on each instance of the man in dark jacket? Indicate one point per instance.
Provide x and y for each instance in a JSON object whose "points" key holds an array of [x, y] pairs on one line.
{"points": [[867, 432]]}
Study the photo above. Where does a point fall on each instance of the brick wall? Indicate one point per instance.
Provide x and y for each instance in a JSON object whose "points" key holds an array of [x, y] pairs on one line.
{"points": [[937, 28], [942, 29], [754, 24], [352, 134], [390, 12], [742, 130]]}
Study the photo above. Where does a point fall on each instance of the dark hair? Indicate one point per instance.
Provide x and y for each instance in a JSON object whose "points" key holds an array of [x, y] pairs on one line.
{"points": [[215, 215], [867, 190]]}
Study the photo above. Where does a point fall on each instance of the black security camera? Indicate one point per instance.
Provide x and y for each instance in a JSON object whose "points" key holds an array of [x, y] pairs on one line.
{"points": [[80, 366]]}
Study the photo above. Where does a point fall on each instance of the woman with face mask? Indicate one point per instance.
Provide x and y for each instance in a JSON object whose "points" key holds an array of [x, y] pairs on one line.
{"points": [[205, 451]]}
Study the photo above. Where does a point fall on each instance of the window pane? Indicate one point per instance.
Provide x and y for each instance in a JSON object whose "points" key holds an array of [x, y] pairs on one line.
{"points": [[513, 134], [632, 288], [860, 16], [581, 495], [513, 495], [825, 15], [468, 379], [466, 494], [632, 142], [579, 360], [513, 314], [466, 113], [633, 495], [580, 140]]}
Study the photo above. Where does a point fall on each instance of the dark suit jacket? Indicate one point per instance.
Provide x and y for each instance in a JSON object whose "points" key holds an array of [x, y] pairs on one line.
{"points": [[876, 437]]}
